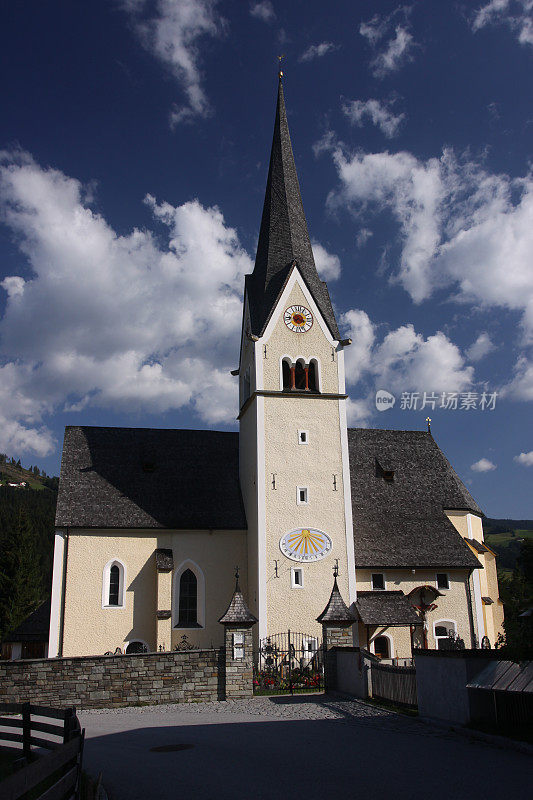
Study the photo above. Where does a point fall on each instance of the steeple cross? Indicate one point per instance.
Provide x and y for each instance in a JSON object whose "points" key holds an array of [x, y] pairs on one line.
{"points": [[280, 59]]}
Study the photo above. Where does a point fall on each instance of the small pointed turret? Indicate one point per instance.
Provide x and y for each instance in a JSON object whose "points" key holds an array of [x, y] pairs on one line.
{"points": [[283, 238], [336, 609], [238, 613]]}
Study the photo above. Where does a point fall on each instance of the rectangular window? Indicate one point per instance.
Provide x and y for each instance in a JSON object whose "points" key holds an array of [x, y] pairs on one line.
{"points": [[297, 578], [378, 581], [303, 437], [442, 581], [302, 495]]}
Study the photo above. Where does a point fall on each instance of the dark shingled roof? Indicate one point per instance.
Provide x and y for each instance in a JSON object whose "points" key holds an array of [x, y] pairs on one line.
{"points": [[238, 612], [34, 628], [479, 547], [336, 609], [283, 237], [147, 478], [402, 523], [386, 608]]}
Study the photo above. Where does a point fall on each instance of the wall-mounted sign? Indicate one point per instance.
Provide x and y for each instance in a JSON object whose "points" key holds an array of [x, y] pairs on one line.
{"points": [[305, 544]]}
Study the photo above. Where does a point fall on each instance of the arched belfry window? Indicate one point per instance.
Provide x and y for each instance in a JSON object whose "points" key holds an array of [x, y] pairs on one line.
{"points": [[113, 584], [313, 376], [300, 377], [286, 375], [189, 596]]}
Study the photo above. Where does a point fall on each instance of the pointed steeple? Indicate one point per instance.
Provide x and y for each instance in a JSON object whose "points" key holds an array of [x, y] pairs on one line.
{"points": [[283, 238], [336, 609]]}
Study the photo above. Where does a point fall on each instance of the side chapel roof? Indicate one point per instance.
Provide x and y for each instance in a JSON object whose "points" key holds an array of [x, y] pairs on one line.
{"points": [[283, 237], [149, 478], [401, 522]]}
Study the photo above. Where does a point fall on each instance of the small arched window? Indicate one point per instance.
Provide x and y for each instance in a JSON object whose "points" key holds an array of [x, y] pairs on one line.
{"points": [[136, 646], [188, 600], [286, 375], [300, 378], [313, 376], [381, 647], [444, 633], [113, 585]]}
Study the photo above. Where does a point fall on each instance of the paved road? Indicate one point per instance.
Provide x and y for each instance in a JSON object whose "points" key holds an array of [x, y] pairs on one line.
{"points": [[309, 748]]}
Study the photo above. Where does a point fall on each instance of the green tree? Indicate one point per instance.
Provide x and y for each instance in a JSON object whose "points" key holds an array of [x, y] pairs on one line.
{"points": [[21, 578]]}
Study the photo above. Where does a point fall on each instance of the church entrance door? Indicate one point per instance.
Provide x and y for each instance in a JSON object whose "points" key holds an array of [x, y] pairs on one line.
{"points": [[289, 663]]}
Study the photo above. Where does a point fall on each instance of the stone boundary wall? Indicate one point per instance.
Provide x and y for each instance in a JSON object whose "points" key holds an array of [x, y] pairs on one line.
{"points": [[112, 681]]}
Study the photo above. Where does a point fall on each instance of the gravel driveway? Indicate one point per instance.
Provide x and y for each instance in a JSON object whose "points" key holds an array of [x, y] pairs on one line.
{"points": [[303, 747]]}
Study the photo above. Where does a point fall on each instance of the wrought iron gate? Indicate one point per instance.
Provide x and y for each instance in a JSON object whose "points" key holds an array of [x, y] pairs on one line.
{"points": [[289, 663]]}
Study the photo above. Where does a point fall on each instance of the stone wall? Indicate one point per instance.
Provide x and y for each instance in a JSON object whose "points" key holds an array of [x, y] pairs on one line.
{"points": [[239, 664], [111, 681]]}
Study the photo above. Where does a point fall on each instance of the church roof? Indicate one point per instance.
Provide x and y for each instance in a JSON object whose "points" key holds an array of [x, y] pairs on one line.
{"points": [[386, 608], [149, 478], [401, 522], [283, 237], [35, 628]]}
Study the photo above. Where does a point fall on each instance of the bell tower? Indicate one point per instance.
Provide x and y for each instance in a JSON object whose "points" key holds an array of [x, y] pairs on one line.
{"points": [[294, 468]]}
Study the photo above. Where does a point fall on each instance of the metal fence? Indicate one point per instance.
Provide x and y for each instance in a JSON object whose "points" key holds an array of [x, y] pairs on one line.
{"points": [[397, 684]]}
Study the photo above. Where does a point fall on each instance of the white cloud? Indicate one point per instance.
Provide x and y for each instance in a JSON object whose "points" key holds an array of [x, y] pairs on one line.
{"points": [[516, 14], [116, 321], [521, 385], [525, 459], [483, 465], [172, 33], [380, 114], [399, 45], [263, 11], [317, 51], [363, 235], [403, 361], [460, 226], [328, 265], [480, 348]]}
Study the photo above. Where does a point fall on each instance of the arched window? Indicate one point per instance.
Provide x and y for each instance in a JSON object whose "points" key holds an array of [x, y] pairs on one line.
{"points": [[188, 600], [113, 584], [137, 646], [444, 630], [286, 375], [382, 646], [300, 378], [188, 607], [313, 376]]}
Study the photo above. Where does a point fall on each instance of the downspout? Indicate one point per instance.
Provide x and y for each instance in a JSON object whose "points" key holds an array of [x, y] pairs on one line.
{"points": [[63, 595], [470, 610]]}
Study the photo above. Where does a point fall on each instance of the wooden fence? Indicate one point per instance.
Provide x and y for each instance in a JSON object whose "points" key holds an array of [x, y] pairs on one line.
{"points": [[59, 769], [397, 684]]}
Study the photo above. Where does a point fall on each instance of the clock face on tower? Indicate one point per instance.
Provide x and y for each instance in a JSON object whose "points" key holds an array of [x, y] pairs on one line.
{"points": [[305, 544], [298, 319]]}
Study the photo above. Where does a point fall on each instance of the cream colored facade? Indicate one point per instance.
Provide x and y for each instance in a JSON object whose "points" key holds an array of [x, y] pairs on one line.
{"points": [[92, 628], [284, 465]]}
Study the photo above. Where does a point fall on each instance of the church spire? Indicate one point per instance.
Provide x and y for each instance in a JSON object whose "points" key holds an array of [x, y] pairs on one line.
{"points": [[283, 238]]}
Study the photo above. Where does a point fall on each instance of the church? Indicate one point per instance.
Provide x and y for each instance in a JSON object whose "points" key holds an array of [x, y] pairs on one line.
{"points": [[151, 523]]}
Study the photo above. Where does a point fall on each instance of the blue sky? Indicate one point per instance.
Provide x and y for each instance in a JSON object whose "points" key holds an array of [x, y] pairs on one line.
{"points": [[135, 138]]}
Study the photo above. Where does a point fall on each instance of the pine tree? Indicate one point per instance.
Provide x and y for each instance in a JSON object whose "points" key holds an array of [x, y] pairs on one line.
{"points": [[21, 580]]}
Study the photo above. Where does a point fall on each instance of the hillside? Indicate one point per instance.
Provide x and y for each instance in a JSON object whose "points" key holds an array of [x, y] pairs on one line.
{"points": [[27, 517], [505, 536]]}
